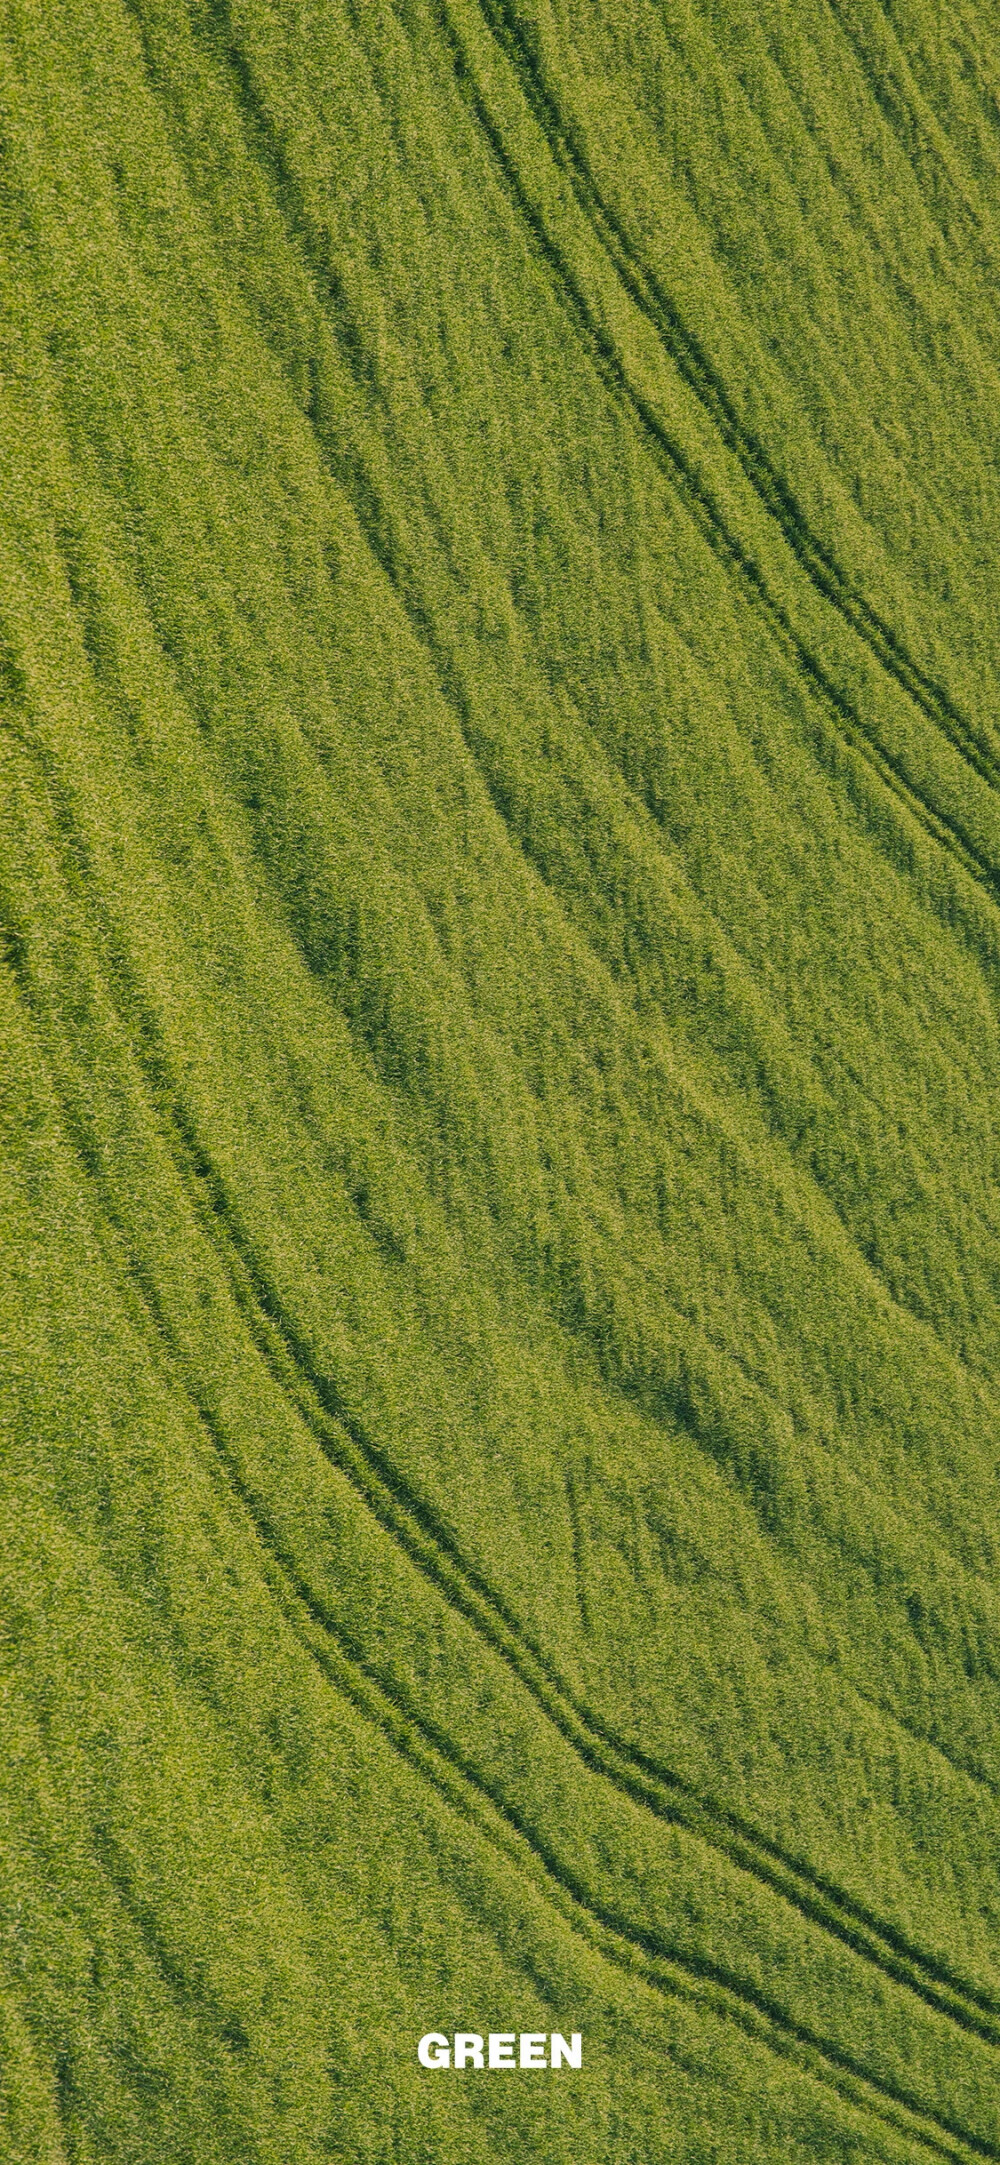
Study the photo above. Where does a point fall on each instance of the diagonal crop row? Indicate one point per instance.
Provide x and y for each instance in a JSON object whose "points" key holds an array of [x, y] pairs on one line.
{"points": [[769, 484], [899, 107], [412, 1523], [387, 546], [416, 1529], [647, 1780], [842, 717]]}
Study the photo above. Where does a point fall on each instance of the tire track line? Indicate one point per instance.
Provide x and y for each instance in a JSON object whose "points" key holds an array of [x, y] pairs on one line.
{"points": [[640, 1953], [841, 714], [265, 145], [646, 1954], [415, 1528], [647, 1780], [375, 521], [685, 350], [418, 1531]]}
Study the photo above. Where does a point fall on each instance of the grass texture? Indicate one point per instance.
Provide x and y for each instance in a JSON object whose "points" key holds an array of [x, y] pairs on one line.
{"points": [[500, 992]]}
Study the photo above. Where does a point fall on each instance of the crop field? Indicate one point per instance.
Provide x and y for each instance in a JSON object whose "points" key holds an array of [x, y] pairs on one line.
{"points": [[500, 1008]]}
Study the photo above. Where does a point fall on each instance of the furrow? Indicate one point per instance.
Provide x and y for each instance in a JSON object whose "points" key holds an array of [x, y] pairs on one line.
{"points": [[160, 1260]]}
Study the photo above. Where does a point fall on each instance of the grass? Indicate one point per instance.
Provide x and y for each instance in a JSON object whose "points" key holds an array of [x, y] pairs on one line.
{"points": [[499, 880]]}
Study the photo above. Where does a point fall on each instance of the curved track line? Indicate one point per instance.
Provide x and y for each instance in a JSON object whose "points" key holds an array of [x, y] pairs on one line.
{"points": [[375, 521], [707, 513], [376, 524], [639, 1953], [414, 1526], [264, 142], [411, 1521], [690, 358], [640, 1776], [620, 1940], [646, 1953], [635, 1951]]}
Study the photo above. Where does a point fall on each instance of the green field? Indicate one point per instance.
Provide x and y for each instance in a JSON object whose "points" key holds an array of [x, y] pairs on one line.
{"points": [[500, 1170]]}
